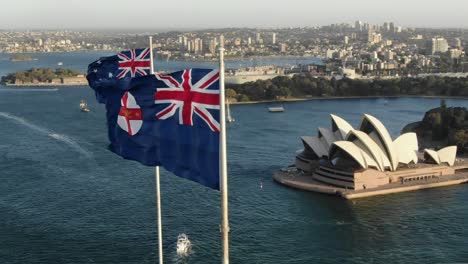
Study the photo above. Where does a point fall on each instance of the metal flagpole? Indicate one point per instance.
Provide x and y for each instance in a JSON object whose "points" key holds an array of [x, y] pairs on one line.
{"points": [[223, 159], [158, 189]]}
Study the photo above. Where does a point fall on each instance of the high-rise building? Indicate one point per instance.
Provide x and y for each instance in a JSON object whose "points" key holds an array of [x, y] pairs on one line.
{"points": [[388, 55], [438, 44], [257, 37], [212, 47], [358, 25], [249, 41], [392, 27], [190, 45], [370, 35], [457, 42], [273, 38], [346, 40], [386, 27]]}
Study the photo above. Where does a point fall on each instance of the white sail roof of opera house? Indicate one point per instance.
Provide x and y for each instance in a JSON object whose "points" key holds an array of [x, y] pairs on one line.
{"points": [[316, 145], [327, 136], [371, 145], [447, 154], [358, 154], [407, 148], [340, 127], [365, 142], [378, 132]]}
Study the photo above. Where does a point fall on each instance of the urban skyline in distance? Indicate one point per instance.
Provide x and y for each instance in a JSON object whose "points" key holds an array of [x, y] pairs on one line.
{"points": [[211, 14]]}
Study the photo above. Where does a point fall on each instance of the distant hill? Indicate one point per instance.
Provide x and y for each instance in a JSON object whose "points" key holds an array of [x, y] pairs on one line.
{"points": [[442, 126]]}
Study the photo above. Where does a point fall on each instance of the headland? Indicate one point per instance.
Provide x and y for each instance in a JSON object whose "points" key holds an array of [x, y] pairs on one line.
{"points": [[45, 77]]}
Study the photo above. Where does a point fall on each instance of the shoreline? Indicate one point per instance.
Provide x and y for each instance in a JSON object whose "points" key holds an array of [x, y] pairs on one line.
{"points": [[346, 97], [41, 84]]}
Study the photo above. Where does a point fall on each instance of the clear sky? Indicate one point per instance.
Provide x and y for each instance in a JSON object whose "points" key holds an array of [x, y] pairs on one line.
{"points": [[184, 14]]}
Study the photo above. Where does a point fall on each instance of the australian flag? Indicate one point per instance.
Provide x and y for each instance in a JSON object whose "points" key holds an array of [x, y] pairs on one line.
{"points": [[169, 120], [118, 70]]}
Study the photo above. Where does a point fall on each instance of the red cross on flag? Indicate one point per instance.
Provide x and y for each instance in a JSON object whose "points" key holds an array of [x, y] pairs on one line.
{"points": [[130, 117]]}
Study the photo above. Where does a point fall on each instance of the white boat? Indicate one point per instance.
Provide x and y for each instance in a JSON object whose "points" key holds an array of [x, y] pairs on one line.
{"points": [[183, 245], [276, 109], [84, 106], [228, 113]]}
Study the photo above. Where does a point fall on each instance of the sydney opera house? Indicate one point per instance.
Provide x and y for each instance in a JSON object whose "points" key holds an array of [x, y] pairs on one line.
{"points": [[347, 160]]}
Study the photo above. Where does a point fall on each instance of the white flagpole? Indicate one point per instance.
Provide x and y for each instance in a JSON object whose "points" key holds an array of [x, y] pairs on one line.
{"points": [[151, 53], [223, 159], [158, 189]]}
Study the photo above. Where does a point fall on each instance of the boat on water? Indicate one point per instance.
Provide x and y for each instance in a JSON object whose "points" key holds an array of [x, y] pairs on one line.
{"points": [[229, 118], [183, 245], [59, 63], [84, 106], [276, 109]]}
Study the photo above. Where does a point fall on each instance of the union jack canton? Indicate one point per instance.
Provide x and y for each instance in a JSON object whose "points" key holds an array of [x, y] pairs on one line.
{"points": [[190, 93], [134, 62]]}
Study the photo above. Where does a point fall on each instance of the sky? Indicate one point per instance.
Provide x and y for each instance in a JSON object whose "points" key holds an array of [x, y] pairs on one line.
{"points": [[202, 14]]}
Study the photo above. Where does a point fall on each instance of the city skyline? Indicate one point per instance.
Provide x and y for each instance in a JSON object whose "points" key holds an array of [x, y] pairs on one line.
{"points": [[186, 14]]}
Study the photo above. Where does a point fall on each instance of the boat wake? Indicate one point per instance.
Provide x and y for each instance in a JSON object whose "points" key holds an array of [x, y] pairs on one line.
{"points": [[62, 138]]}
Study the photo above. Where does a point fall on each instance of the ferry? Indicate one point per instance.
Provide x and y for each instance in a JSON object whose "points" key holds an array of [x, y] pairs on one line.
{"points": [[276, 109]]}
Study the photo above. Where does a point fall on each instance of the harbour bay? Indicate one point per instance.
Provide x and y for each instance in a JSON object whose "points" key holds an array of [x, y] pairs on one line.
{"points": [[65, 198]]}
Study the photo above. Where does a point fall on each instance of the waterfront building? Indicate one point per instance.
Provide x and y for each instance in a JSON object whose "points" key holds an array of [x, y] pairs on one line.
{"points": [[212, 46]]}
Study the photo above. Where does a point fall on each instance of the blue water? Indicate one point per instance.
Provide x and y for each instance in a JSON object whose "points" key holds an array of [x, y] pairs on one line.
{"points": [[65, 199]]}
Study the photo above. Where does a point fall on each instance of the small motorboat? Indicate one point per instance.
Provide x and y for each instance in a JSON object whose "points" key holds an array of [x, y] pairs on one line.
{"points": [[183, 245], [276, 109], [84, 106]]}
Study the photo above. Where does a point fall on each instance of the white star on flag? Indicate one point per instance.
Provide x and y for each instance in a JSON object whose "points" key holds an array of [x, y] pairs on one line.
{"points": [[111, 75]]}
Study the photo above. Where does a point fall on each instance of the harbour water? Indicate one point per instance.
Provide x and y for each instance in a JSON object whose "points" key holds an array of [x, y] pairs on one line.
{"points": [[64, 198]]}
